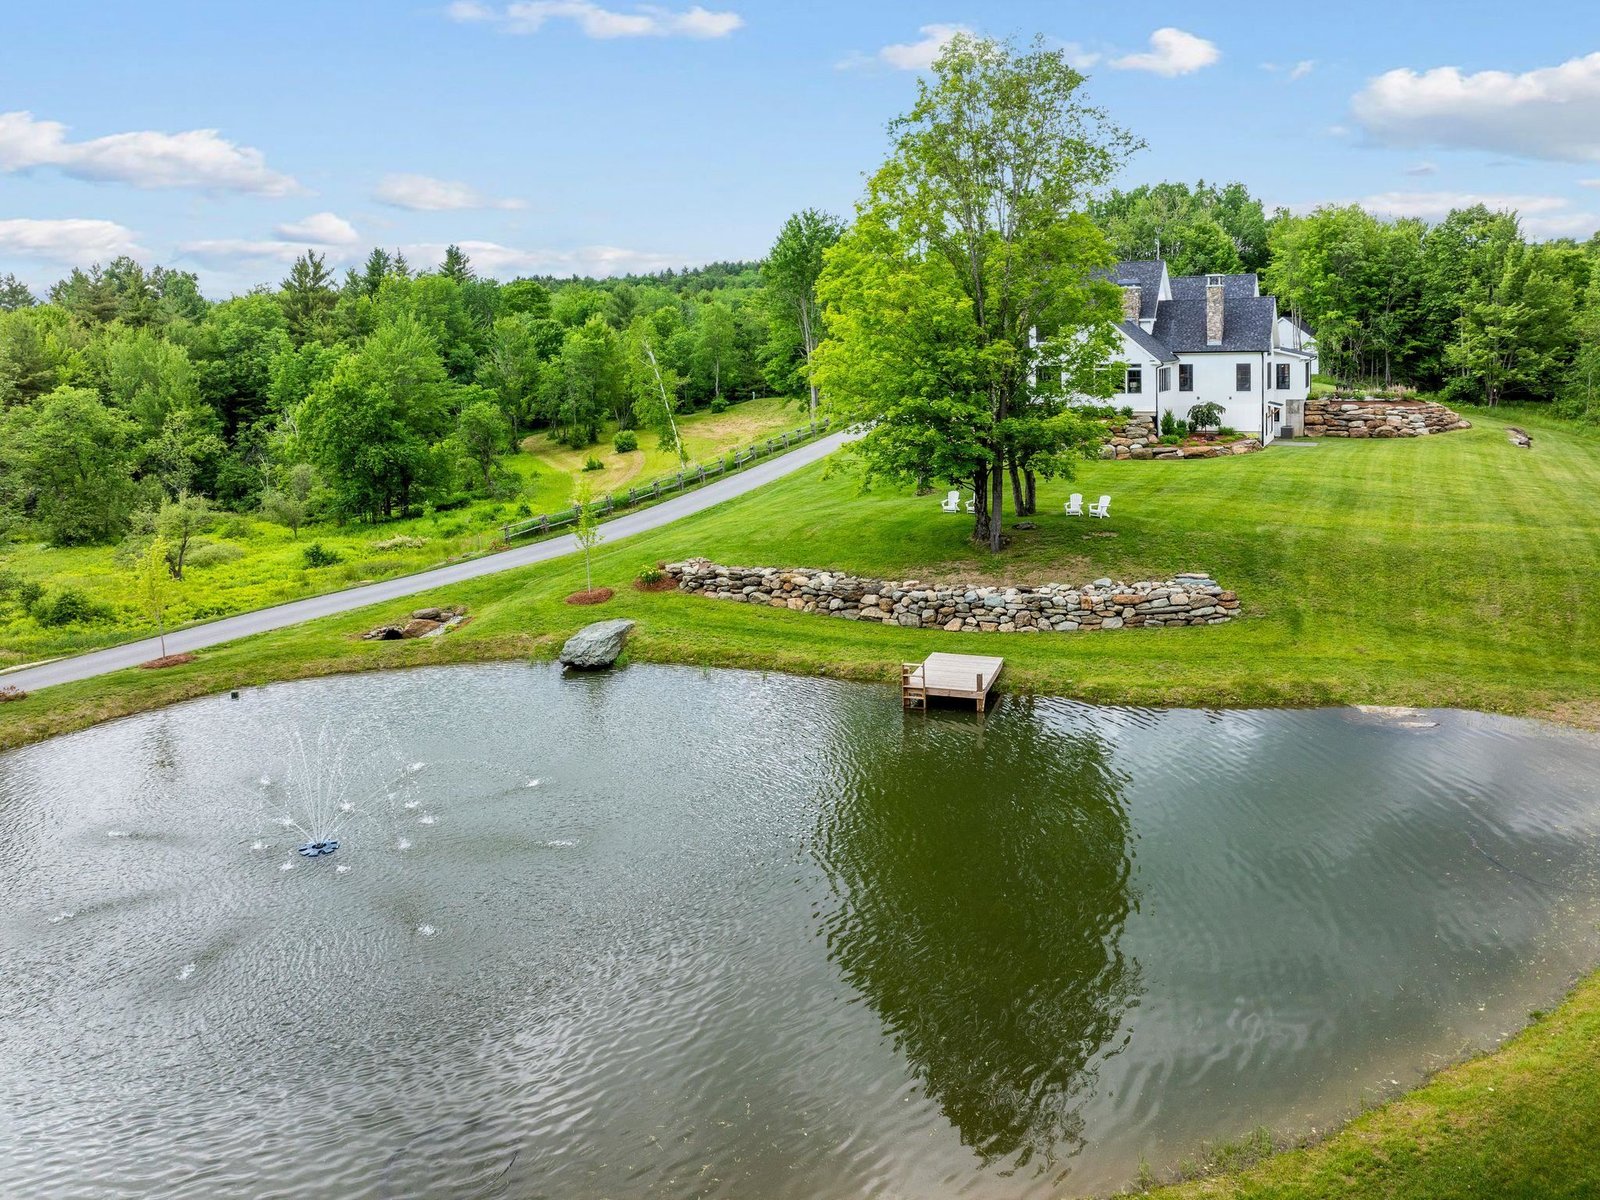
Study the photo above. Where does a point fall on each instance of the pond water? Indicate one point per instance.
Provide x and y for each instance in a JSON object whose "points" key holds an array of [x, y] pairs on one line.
{"points": [[679, 933]]}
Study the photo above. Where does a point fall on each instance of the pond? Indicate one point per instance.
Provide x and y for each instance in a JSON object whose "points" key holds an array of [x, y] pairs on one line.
{"points": [[688, 933]]}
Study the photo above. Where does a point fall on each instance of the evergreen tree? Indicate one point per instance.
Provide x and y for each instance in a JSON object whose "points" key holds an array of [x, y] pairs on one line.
{"points": [[456, 265], [307, 296], [14, 294]]}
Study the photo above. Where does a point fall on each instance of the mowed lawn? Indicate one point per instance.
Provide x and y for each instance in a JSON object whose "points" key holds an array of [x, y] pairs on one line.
{"points": [[1451, 570]]}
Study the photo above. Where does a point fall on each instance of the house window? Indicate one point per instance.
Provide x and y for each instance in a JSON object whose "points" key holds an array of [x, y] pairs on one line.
{"points": [[1308, 374], [1241, 377], [1186, 377], [1164, 379], [1135, 382], [1283, 377]]}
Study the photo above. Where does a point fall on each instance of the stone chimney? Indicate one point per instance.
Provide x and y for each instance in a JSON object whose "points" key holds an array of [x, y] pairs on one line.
{"points": [[1214, 310], [1132, 301]]}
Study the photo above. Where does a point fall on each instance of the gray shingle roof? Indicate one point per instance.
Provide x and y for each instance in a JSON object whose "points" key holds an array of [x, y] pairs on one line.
{"points": [[1180, 323], [1234, 287], [1246, 326], [1144, 275], [1142, 339]]}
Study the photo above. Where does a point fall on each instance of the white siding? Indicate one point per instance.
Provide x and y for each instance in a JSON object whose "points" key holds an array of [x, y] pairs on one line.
{"points": [[1214, 381]]}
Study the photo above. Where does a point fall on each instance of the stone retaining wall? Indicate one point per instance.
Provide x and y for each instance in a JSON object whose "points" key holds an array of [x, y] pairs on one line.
{"points": [[1138, 437], [1370, 417], [1187, 599]]}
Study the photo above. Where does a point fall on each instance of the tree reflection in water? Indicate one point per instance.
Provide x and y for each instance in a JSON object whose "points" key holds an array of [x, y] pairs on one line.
{"points": [[982, 875]]}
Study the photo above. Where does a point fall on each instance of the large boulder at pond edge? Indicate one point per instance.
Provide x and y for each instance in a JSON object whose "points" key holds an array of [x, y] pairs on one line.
{"points": [[595, 646]]}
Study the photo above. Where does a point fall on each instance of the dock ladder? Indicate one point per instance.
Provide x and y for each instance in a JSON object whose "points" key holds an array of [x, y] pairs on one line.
{"points": [[913, 686]]}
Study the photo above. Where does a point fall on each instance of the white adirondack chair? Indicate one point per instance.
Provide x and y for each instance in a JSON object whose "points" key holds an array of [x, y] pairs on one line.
{"points": [[1075, 504], [972, 505], [952, 502], [1101, 507]]}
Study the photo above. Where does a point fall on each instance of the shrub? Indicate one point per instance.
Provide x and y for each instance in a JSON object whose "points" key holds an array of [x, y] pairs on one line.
{"points": [[400, 541], [626, 441], [1170, 425], [1172, 439], [1126, 410], [651, 574], [69, 606], [593, 464], [523, 510], [211, 554], [318, 555], [15, 587], [1228, 432], [719, 405], [1462, 389]]}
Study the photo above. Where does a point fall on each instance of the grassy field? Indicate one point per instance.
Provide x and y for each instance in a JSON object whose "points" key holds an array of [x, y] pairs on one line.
{"points": [[246, 562], [1453, 570]]}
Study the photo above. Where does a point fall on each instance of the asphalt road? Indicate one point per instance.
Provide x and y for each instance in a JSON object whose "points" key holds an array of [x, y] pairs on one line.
{"points": [[131, 654]]}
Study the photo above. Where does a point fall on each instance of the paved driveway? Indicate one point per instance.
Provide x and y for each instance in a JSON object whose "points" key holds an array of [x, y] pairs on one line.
{"points": [[131, 654]]}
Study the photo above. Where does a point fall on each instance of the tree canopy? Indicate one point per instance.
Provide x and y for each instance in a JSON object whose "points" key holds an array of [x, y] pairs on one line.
{"points": [[966, 303]]}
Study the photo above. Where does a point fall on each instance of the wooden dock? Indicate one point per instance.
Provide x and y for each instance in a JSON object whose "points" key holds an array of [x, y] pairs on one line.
{"points": [[961, 676]]}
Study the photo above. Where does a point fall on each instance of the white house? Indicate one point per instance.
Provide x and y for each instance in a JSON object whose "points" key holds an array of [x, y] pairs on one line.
{"points": [[1190, 339]]}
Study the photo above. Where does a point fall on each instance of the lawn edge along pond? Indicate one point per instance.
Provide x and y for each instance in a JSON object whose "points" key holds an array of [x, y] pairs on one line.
{"points": [[1449, 571]]}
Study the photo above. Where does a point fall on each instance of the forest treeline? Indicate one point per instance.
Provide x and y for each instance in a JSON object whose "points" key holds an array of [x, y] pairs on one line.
{"points": [[124, 391]]}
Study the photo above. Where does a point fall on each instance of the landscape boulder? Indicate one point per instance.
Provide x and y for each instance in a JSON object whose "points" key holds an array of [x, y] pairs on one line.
{"points": [[595, 646]]}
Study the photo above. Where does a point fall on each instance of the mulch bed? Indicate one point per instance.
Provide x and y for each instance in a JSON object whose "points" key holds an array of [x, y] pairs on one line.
{"points": [[663, 584], [171, 660], [598, 596]]}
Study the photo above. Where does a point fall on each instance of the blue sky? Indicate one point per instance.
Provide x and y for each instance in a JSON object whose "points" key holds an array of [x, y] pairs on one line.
{"points": [[599, 135]]}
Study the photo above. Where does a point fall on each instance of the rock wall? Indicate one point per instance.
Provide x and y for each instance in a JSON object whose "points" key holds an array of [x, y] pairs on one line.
{"points": [[1138, 437], [1370, 417], [1187, 599]]}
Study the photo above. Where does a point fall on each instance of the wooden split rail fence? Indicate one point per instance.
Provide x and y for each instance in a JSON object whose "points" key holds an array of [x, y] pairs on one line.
{"points": [[692, 476]]}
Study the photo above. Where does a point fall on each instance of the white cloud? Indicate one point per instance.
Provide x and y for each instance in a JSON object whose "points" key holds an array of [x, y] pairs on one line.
{"points": [[1434, 206], [1422, 168], [198, 158], [644, 20], [1594, 183], [72, 241], [1172, 52], [1581, 225], [1293, 72], [492, 258], [1542, 216], [1550, 112], [326, 233], [229, 253], [1079, 56], [920, 54], [323, 228], [423, 193]]}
